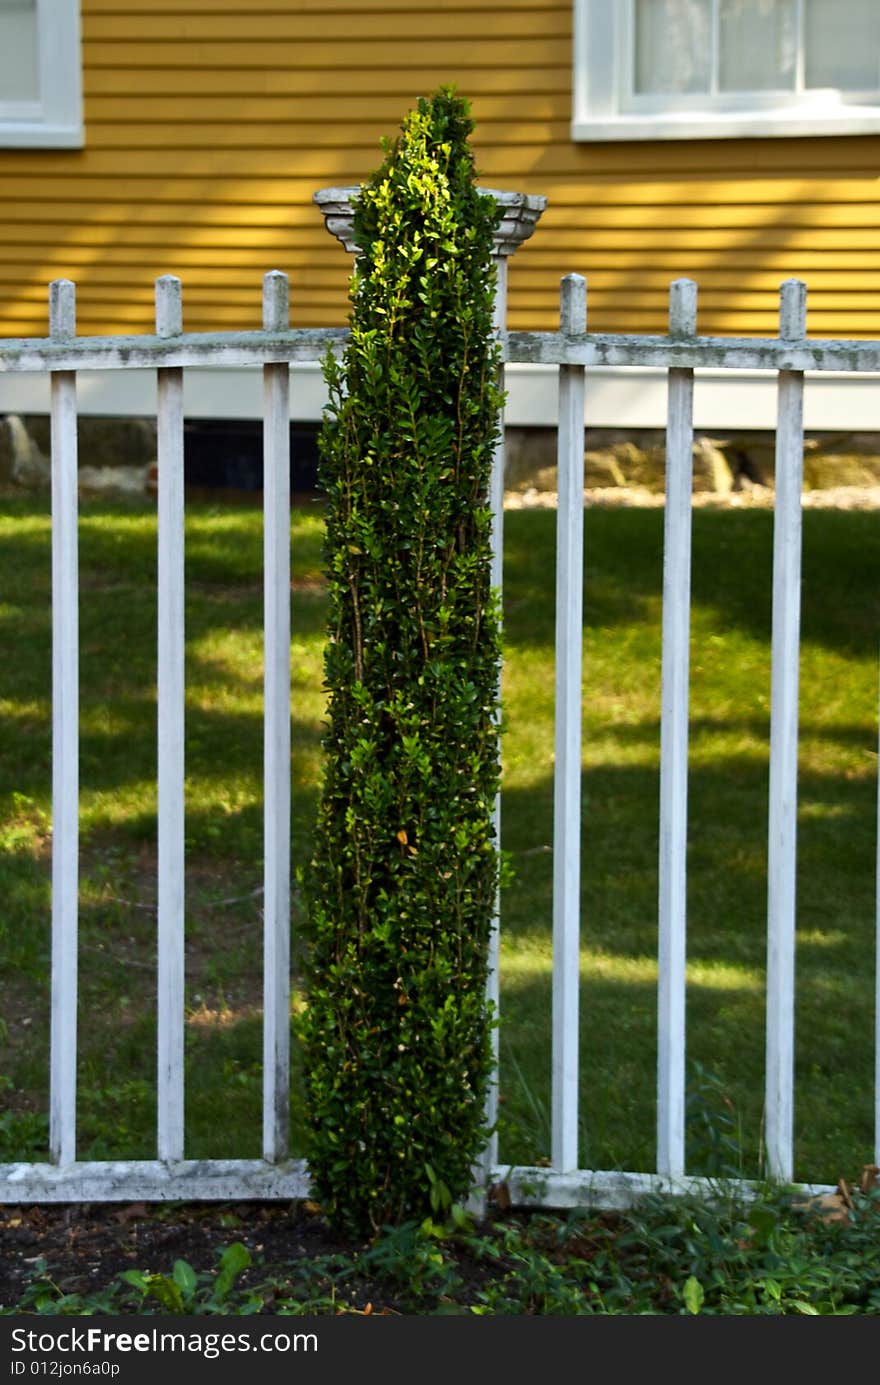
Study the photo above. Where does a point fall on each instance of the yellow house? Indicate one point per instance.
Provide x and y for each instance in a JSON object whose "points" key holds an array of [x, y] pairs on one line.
{"points": [[735, 142]]}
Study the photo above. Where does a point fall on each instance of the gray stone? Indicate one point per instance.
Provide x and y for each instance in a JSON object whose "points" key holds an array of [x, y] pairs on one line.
{"points": [[123, 480], [824, 469], [712, 470], [22, 463]]}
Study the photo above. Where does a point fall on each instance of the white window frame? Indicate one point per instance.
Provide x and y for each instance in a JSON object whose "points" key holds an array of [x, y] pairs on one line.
{"points": [[605, 108], [55, 119]]}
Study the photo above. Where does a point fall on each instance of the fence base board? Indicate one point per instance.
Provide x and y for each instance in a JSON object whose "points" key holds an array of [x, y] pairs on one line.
{"points": [[234, 1180], [617, 1191], [190, 1180]]}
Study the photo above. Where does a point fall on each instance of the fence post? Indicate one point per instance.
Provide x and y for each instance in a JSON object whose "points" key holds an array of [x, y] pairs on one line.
{"points": [[276, 731], [567, 772], [65, 736], [785, 652], [674, 745], [170, 733]]}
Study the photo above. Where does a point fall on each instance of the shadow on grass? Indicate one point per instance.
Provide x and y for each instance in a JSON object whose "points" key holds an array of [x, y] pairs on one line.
{"points": [[727, 851]]}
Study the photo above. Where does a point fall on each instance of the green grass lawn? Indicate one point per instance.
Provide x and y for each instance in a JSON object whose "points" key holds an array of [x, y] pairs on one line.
{"points": [[730, 689]]}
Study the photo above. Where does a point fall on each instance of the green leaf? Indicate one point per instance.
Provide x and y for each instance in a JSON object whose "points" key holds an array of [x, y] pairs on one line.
{"points": [[137, 1278], [185, 1278], [693, 1295], [234, 1259]]}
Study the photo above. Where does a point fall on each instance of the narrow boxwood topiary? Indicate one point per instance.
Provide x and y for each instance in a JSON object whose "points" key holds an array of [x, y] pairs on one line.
{"points": [[402, 883]]}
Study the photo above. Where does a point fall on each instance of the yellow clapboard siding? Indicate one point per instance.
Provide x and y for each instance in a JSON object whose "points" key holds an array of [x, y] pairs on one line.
{"points": [[407, 82], [690, 199], [270, 9], [330, 268], [98, 317], [259, 225], [209, 127], [224, 182], [328, 54], [199, 288], [347, 114], [139, 247], [151, 261], [265, 135], [142, 26]]}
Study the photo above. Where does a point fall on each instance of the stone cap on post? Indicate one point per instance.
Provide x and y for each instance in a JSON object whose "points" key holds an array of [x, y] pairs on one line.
{"points": [[520, 213]]}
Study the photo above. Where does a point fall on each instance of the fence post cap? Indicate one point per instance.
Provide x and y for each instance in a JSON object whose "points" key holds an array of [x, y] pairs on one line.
{"points": [[519, 215]]}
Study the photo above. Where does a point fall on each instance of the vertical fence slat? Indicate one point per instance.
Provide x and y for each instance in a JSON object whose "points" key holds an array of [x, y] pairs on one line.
{"points": [[276, 731], [65, 737], [496, 503], [567, 773], [779, 1094], [170, 682], [672, 894], [877, 972]]}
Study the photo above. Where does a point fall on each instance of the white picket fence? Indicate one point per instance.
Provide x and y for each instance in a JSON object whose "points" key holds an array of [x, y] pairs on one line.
{"points": [[275, 347]]}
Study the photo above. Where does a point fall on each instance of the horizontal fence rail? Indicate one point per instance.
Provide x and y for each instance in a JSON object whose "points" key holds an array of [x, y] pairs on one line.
{"points": [[574, 351], [308, 345]]}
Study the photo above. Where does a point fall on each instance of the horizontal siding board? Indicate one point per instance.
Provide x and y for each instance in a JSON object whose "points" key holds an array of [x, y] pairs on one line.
{"points": [[833, 202], [224, 177], [328, 53], [270, 9], [297, 23], [267, 134], [348, 115], [408, 82], [228, 249], [239, 285]]}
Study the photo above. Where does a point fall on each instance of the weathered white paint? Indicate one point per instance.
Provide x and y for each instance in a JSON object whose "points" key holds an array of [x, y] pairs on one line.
{"points": [[672, 913], [877, 979], [304, 344], [225, 1180], [171, 1176], [276, 731], [170, 686], [65, 738], [567, 773], [616, 1190], [195, 1180], [779, 1098]]}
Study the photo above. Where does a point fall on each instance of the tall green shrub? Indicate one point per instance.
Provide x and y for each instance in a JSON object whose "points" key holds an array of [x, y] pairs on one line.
{"points": [[402, 885]]}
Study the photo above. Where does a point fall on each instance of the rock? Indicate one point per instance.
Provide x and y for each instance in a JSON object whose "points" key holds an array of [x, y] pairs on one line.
{"points": [[641, 466], [824, 469], [712, 470], [602, 469], [124, 480], [21, 461]]}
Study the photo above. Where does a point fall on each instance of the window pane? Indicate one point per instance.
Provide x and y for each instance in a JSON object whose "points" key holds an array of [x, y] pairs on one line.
{"points": [[672, 45], [758, 41], [843, 44], [19, 80]]}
